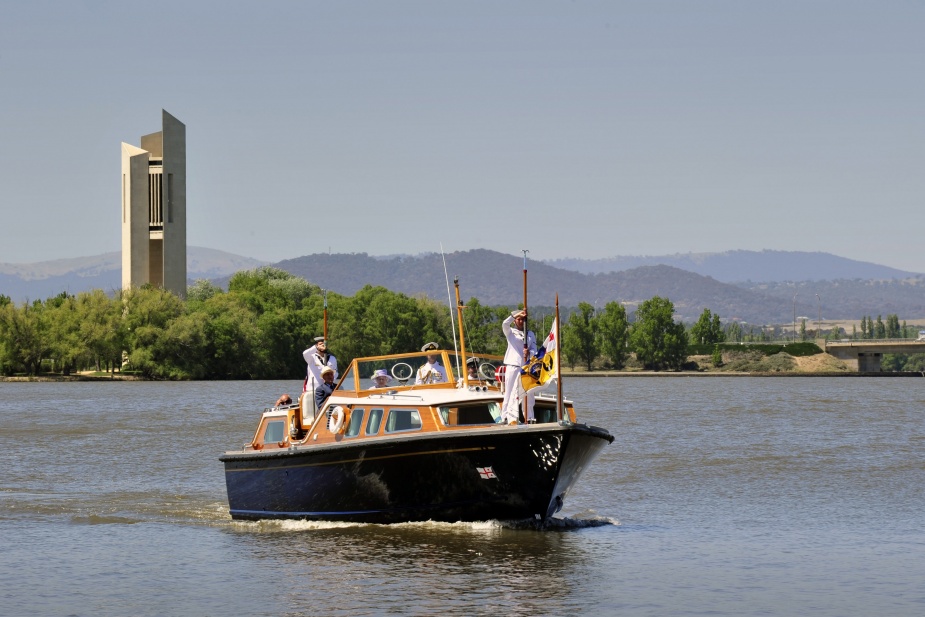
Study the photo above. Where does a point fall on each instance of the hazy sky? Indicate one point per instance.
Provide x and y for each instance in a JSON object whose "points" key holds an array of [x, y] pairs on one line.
{"points": [[582, 129]]}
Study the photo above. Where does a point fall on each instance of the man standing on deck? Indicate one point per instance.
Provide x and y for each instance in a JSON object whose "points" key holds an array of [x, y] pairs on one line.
{"points": [[317, 357], [515, 357]]}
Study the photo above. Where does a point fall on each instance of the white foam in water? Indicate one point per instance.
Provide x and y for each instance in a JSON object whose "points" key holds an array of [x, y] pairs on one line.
{"points": [[584, 520]]}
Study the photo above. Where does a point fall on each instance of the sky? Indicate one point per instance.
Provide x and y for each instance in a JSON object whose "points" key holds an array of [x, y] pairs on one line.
{"points": [[570, 129]]}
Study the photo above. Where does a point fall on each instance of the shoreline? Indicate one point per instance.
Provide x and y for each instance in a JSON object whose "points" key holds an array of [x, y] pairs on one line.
{"points": [[581, 375], [742, 374]]}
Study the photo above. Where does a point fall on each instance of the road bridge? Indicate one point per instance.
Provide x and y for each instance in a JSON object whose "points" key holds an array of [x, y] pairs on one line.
{"points": [[864, 356]]}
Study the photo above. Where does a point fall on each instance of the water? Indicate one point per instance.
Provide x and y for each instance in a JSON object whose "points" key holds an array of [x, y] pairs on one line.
{"points": [[720, 496]]}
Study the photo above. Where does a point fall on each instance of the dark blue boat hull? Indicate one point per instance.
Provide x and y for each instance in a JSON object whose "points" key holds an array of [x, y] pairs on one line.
{"points": [[503, 474]]}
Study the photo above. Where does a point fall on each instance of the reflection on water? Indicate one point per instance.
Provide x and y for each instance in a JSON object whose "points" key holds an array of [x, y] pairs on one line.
{"points": [[734, 496], [417, 568]]}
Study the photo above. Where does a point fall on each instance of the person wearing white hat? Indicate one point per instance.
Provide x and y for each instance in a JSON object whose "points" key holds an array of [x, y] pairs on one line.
{"points": [[324, 390], [381, 378], [514, 358], [431, 371], [472, 371], [317, 357]]}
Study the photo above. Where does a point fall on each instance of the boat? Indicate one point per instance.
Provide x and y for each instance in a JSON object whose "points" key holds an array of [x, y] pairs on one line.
{"points": [[411, 451]]}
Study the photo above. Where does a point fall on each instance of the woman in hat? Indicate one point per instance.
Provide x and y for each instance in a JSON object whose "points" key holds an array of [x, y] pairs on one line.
{"points": [[381, 378]]}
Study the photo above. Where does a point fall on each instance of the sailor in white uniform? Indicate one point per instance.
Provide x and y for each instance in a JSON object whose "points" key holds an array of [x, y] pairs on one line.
{"points": [[317, 357], [514, 358], [432, 371]]}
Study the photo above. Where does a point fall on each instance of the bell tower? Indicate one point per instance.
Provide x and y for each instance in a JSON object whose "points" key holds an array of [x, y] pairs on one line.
{"points": [[154, 209]]}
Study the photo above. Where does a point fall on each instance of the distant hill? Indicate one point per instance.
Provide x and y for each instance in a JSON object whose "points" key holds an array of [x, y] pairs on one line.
{"points": [[45, 279], [495, 279], [851, 299], [739, 266]]}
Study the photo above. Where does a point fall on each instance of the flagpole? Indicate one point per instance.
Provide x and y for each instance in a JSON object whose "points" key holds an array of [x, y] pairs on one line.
{"points": [[324, 332], [464, 371], [526, 329], [560, 404]]}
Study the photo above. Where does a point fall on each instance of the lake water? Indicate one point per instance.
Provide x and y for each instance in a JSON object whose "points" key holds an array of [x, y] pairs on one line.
{"points": [[719, 496]]}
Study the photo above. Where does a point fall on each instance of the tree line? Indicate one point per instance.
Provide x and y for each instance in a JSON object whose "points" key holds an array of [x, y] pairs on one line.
{"points": [[258, 328]]}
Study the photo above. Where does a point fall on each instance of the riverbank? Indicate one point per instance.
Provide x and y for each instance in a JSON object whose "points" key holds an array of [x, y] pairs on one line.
{"points": [[76, 377]]}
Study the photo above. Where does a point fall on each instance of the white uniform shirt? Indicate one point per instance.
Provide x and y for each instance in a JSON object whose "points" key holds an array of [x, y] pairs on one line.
{"points": [[431, 373], [515, 343], [316, 361]]}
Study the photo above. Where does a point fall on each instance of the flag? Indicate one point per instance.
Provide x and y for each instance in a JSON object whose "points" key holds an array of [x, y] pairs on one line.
{"points": [[540, 370], [551, 356]]}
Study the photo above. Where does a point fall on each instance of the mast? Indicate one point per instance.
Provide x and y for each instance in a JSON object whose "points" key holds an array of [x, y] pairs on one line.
{"points": [[462, 337], [560, 404], [324, 333], [526, 327], [449, 300]]}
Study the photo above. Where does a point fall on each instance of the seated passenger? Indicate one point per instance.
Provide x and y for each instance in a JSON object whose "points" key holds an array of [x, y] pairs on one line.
{"points": [[431, 371], [472, 371], [283, 400], [381, 378], [323, 391]]}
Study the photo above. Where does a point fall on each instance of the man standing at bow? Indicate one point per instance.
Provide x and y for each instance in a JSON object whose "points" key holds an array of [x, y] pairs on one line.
{"points": [[317, 357], [517, 354]]}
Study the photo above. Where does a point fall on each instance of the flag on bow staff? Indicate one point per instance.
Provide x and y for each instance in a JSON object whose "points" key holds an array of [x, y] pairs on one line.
{"points": [[541, 369]]}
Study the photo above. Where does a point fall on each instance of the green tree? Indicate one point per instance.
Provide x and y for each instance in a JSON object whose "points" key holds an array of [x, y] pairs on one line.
{"points": [[734, 332], [802, 329], [24, 332], [660, 343], [482, 327], [201, 290], [893, 329], [613, 328], [707, 330], [101, 328], [67, 346], [717, 356], [148, 312], [579, 336], [879, 329]]}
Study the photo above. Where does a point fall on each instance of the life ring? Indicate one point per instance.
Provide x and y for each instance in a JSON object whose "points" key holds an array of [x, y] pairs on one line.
{"points": [[489, 371], [500, 373], [402, 371], [337, 420]]}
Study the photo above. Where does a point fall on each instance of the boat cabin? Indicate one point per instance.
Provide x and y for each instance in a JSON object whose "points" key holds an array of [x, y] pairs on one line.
{"points": [[412, 396]]}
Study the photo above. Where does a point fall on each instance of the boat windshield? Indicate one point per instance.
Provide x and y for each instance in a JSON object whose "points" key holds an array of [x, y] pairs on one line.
{"points": [[411, 370]]}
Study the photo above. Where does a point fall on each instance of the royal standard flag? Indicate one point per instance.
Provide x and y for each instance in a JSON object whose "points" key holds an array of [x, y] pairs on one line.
{"points": [[541, 369]]}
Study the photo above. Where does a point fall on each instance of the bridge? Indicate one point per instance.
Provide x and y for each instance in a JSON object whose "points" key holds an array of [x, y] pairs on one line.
{"points": [[864, 355]]}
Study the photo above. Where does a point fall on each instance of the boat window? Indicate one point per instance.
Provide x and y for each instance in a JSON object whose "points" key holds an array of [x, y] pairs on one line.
{"points": [[482, 413], [403, 420], [544, 413], [356, 421], [274, 431], [375, 419]]}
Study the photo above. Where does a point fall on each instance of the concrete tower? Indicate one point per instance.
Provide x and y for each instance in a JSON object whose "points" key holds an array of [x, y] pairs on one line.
{"points": [[154, 209]]}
